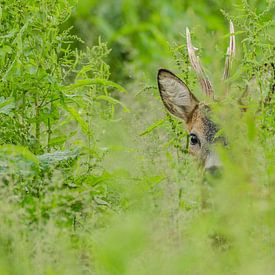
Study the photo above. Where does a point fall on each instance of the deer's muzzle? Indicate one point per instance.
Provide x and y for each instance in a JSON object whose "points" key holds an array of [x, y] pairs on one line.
{"points": [[212, 163]]}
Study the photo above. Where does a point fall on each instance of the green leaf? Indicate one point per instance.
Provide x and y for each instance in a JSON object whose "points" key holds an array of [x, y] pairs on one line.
{"points": [[58, 140], [152, 127], [89, 82], [16, 151], [113, 101], [50, 159], [84, 125], [6, 105]]}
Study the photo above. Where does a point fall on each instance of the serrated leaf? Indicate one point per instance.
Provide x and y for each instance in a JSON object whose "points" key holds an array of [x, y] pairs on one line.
{"points": [[50, 159], [113, 101], [152, 127], [100, 81]]}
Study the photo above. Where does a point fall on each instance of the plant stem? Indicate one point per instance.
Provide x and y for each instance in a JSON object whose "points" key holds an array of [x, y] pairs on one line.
{"points": [[37, 124]]}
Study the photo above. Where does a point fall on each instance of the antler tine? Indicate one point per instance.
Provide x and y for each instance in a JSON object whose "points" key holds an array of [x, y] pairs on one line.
{"points": [[231, 50], [204, 81]]}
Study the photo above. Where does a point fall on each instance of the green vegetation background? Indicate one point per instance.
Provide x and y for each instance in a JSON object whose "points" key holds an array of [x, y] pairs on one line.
{"points": [[94, 174]]}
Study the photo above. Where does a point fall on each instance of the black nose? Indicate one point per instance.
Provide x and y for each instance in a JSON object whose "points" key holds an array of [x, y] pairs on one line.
{"points": [[213, 171]]}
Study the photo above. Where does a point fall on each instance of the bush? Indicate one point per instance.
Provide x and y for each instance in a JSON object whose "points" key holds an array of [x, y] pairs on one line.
{"points": [[95, 179]]}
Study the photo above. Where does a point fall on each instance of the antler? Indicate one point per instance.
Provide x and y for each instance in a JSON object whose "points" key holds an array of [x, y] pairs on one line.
{"points": [[230, 52], [204, 81]]}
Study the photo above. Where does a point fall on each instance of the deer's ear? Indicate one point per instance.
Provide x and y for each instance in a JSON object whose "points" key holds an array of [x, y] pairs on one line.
{"points": [[175, 95]]}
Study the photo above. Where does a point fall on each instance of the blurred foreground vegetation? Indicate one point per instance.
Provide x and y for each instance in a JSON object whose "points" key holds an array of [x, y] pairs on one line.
{"points": [[95, 176]]}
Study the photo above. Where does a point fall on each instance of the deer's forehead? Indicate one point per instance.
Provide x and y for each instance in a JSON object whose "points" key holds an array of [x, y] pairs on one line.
{"points": [[196, 124], [201, 125]]}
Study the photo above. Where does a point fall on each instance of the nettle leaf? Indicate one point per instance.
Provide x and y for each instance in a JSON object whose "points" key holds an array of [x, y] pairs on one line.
{"points": [[112, 101], [17, 160], [52, 159], [153, 127], [58, 140], [89, 82]]}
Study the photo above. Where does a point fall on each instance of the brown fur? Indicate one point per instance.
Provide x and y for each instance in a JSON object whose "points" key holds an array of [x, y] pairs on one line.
{"points": [[180, 101]]}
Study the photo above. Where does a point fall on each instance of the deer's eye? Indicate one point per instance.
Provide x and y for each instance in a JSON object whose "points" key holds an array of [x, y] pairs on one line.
{"points": [[194, 139]]}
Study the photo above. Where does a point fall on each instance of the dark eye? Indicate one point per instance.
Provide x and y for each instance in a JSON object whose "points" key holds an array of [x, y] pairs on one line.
{"points": [[194, 139]]}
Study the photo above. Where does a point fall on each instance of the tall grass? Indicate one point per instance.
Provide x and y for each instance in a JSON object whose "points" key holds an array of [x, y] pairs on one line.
{"points": [[96, 178]]}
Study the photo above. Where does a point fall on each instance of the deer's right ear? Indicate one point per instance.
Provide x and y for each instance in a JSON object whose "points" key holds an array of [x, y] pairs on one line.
{"points": [[175, 95]]}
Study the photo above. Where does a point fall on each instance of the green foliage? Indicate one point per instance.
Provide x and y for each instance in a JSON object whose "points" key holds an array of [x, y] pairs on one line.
{"points": [[51, 98], [95, 177]]}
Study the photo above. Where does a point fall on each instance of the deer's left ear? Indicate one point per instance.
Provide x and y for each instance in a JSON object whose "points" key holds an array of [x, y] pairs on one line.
{"points": [[175, 95]]}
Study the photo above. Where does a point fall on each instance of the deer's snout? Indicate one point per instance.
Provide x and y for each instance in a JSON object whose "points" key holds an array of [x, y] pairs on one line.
{"points": [[214, 171], [212, 163]]}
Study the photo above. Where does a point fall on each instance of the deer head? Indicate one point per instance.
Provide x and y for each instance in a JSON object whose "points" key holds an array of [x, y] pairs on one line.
{"points": [[180, 102]]}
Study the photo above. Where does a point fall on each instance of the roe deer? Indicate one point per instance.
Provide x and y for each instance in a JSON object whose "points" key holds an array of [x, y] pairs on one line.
{"points": [[180, 102]]}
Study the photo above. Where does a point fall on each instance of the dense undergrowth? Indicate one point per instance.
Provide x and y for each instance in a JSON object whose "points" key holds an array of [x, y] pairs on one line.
{"points": [[95, 176]]}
